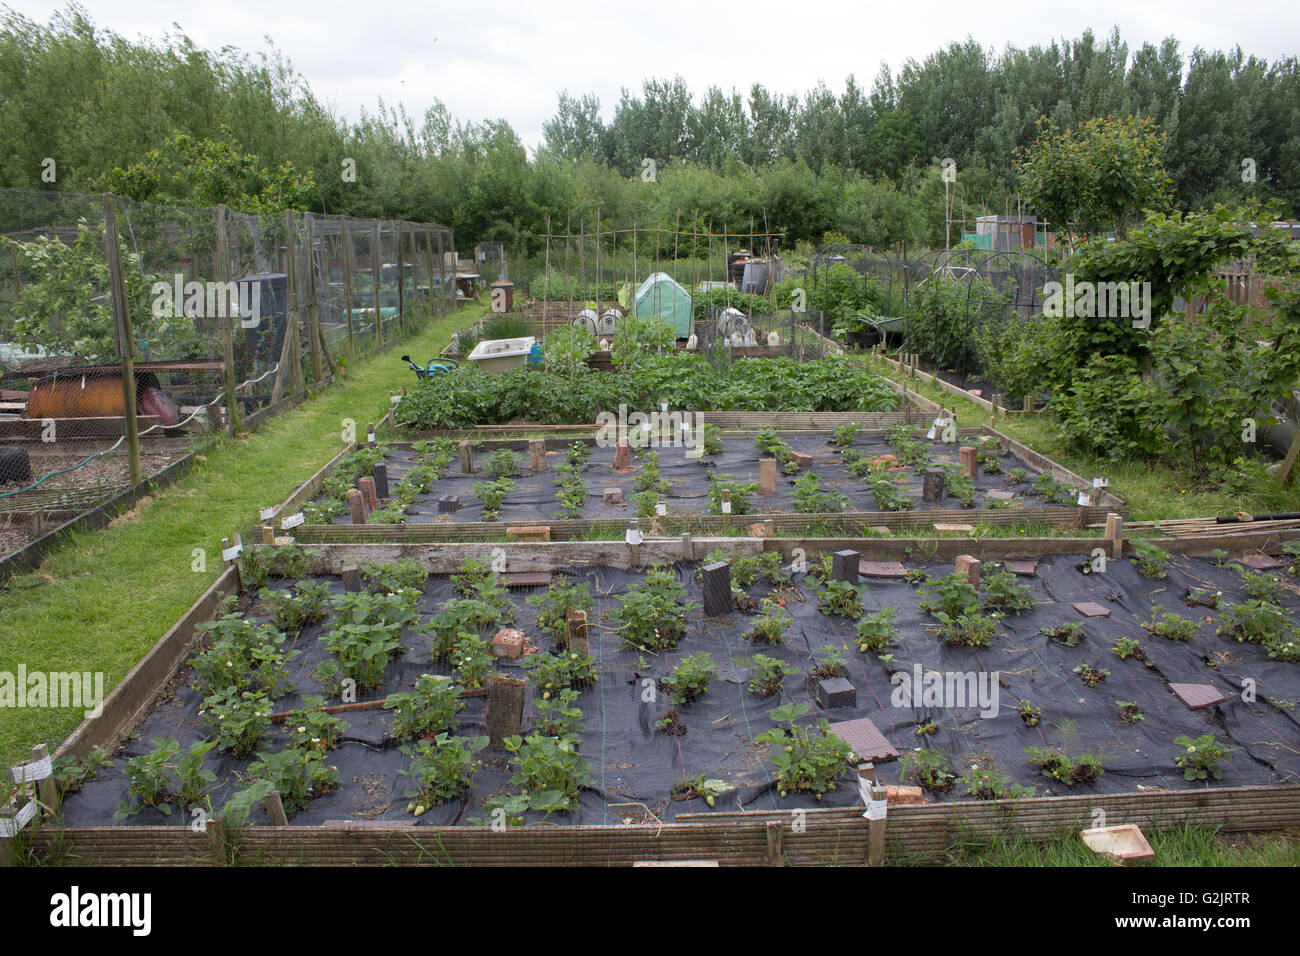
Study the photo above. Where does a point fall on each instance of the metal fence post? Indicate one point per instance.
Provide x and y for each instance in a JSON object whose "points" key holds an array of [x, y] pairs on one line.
{"points": [[292, 307], [313, 313], [125, 338], [347, 284]]}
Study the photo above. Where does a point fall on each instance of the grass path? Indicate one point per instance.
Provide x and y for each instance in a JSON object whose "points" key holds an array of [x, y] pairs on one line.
{"points": [[103, 599]]}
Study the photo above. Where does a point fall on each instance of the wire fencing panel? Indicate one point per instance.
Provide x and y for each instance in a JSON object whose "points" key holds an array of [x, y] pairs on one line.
{"points": [[131, 333]]}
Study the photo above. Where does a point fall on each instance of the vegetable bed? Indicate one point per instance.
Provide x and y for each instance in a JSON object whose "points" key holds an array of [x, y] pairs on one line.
{"points": [[674, 712]]}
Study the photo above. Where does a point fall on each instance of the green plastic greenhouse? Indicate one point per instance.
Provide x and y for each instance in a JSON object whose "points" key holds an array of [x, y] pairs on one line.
{"points": [[659, 295]]}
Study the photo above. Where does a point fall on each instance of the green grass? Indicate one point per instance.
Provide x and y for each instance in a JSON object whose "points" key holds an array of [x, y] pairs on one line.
{"points": [[103, 599], [1151, 491], [1184, 845]]}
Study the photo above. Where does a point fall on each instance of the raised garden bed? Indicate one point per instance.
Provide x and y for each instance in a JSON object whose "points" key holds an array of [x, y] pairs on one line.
{"points": [[1035, 656]]}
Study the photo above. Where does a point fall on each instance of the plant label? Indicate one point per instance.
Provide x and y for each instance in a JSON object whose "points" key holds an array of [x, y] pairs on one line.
{"points": [[266, 514], [293, 521], [1100, 482], [229, 554], [1085, 499], [633, 536], [726, 507], [661, 509]]}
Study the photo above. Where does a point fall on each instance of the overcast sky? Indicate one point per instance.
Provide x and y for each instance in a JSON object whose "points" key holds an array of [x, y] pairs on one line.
{"points": [[490, 59]]}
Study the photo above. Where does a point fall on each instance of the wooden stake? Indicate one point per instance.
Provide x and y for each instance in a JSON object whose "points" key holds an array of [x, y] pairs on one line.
{"points": [[125, 339], [275, 809], [575, 638], [1115, 534]]}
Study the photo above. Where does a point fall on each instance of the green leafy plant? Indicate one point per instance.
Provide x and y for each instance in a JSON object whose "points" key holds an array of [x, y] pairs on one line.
{"points": [[1127, 647], [441, 768], [296, 774], [1199, 759], [951, 594], [808, 499], [1067, 634], [149, 777], [1092, 676], [770, 626], [767, 674], [549, 770], [931, 768], [556, 715], [293, 609], [804, 761], [428, 710], [312, 727], [652, 615], [841, 598], [554, 604], [986, 783], [1130, 712], [971, 628], [1149, 559], [1057, 765], [726, 487], [700, 787], [493, 495], [501, 464], [551, 673], [1172, 627], [472, 661], [1030, 713], [876, 631], [691, 677], [237, 720], [1003, 593]]}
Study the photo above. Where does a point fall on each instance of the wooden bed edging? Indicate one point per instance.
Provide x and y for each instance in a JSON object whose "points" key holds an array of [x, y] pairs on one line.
{"points": [[125, 705], [914, 834]]}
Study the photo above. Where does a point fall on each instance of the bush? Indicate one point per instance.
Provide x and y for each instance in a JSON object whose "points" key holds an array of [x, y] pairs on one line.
{"points": [[1110, 411]]}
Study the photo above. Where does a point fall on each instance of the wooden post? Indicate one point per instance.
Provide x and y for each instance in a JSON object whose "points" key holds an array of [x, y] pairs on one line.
{"points": [[505, 709], [313, 313], [223, 276], [347, 285], [375, 256], [275, 809], [575, 633], [293, 308], [1115, 534], [268, 534], [401, 285], [1286, 473], [775, 843], [45, 788], [125, 339]]}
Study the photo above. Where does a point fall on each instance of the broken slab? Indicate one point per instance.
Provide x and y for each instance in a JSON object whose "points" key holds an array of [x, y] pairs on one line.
{"points": [[526, 579], [1261, 562], [1026, 569], [508, 643], [611, 497], [804, 461], [536, 532], [1121, 843], [970, 566], [942, 528], [998, 495]]}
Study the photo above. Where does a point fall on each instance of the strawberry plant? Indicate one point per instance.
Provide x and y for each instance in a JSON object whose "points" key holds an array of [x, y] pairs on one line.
{"points": [[1292, 550], [429, 709], [804, 761], [1129, 712], [1127, 647], [1003, 593], [363, 651], [748, 568], [1029, 713], [831, 662], [845, 434], [971, 628], [314, 728], [670, 722], [1254, 622], [841, 598], [1259, 585], [1057, 765], [931, 769], [710, 439], [699, 787], [876, 632], [691, 677], [773, 445], [737, 493], [549, 770], [926, 728], [442, 769], [471, 661], [771, 625], [1172, 627], [551, 673], [243, 656], [1149, 559], [991, 461], [650, 480], [899, 432], [767, 674], [1068, 635], [1199, 759], [808, 499], [1202, 597], [1052, 491], [462, 616], [556, 715], [493, 495], [1018, 476], [1090, 675], [888, 496], [652, 615], [297, 775], [150, 778], [951, 594], [501, 464], [573, 490], [293, 609], [554, 604], [394, 577], [471, 577], [237, 720], [985, 783]]}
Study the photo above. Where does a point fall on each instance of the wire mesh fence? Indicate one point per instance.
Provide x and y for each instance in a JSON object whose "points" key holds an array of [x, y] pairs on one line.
{"points": [[131, 333], [961, 310]]}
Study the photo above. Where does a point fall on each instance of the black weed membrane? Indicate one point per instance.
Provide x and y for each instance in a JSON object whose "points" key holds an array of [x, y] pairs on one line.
{"points": [[1093, 694], [690, 484]]}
